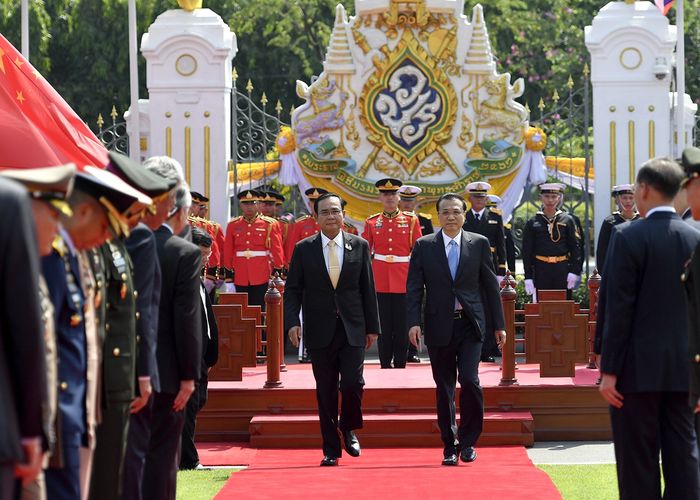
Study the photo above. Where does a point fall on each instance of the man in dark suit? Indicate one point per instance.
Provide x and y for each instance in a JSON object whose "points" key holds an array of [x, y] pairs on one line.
{"points": [[454, 269], [179, 348], [330, 278], [189, 458], [23, 377], [644, 362]]}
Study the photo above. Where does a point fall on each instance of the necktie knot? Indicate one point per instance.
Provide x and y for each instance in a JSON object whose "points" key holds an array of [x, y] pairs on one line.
{"points": [[476, 216]]}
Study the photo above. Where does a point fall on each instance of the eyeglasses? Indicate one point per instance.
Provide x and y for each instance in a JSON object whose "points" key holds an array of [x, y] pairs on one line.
{"points": [[334, 212]]}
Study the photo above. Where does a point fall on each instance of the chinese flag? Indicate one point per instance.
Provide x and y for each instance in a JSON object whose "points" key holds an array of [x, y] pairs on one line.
{"points": [[37, 127]]}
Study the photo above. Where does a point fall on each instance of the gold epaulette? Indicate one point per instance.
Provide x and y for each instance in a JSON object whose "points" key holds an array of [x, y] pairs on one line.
{"points": [[235, 219], [497, 211], [427, 216], [267, 219], [409, 213], [507, 226], [302, 217], [59, 245], [373, 216]]}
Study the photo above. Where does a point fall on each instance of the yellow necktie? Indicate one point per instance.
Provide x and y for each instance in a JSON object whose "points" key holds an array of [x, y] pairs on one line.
{"points": [[333, 264]]}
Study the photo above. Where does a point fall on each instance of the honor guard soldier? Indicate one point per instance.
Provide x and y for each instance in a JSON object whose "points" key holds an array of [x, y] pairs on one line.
{"points": [[494, 201], [486, 222], [624, 198], [391, 235], [408, 199], [305, 225], [551, 247], [198, 218], [270, 200], [253, 248]]}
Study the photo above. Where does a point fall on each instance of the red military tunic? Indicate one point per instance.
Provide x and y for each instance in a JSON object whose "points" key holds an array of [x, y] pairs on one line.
{"points": [[349, 228], [390, 240], [253, 248], [285, 228], [304, 227], [214, 230]]}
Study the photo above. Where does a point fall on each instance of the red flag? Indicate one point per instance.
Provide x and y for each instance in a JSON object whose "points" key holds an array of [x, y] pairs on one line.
{"points": [[37, 127]]}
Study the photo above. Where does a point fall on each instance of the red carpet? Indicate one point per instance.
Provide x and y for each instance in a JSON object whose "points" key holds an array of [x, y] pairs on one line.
{"points": [[498, 473]]}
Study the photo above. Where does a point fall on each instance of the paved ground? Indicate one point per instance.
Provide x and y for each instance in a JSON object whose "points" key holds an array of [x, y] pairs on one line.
{"points": [[572, 452]]}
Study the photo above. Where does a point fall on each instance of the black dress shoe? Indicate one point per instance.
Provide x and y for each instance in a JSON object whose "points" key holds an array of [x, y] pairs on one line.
{"points": [[413, 359], [352, 444], [488, 359], [468, 454], [329, 461], [450, 459]]}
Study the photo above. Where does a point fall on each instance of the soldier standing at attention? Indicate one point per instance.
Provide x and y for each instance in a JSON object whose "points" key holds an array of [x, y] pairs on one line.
{"points": [[493, 201], [487, 222], [551, 248], [391, 235], [408, 199], [624, 198], [253, 248]]}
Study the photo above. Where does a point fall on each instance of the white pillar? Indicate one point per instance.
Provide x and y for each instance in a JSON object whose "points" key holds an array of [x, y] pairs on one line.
{"points": [[135, 128], [631, 47], [188, 74]]}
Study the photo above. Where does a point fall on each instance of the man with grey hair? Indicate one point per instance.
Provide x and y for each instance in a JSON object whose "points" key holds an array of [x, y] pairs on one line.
{"points": [[179, 336]]}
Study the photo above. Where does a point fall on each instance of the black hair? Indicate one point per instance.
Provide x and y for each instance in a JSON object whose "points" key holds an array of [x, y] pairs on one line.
{"points": [[663, 174], [326, 196], [201, 238], [450, 196]]}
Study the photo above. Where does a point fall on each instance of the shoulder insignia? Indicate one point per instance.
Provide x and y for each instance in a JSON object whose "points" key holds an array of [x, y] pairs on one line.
{"points": [[496, 211], [373, 216], [408, 213], [507, 226], [59, 246], [427, 216], [303, 217], [235, 219], [267, 219]]}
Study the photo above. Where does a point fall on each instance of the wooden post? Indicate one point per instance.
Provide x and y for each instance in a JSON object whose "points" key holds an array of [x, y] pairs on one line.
{"points": [[279, 284], [593, 288], [508, 300], [273, 306]]}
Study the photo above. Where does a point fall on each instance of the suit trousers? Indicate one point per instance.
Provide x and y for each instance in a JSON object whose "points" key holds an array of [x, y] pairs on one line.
{"points": [[108, 460], [64, 483], [8, 483], [160, 471], [138, 438], [646, 423], [189, 458], [393, 342], [339, 361], [459, 360]]}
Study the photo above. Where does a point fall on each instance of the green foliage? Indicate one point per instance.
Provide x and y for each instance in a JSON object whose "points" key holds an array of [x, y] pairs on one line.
{"points": [[584, 482]]}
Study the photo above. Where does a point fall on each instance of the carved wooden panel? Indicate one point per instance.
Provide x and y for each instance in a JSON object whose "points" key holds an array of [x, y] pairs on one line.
{"points": [[249, 311], [556, 338], [237, 343]]}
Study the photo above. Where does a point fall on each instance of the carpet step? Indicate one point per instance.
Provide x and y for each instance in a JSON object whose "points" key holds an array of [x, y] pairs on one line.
{"points": [[387, 430]]}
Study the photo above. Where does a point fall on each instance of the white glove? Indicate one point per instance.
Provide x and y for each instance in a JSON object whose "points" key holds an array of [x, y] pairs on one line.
{"points": [[529, 287], [230, 287], [499, 279], [571, 280]]}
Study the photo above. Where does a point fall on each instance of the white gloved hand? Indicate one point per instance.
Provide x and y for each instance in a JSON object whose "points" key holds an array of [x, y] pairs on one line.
{"points": [[529, 287], [571, 280], [230, 287], [499, 279]]}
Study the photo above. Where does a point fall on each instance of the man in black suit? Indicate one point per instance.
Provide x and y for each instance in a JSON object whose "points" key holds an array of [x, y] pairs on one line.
{"points": [[644, 362], [179, 348], [454, 268], [23, 377], [330, 278], [189, 458]]}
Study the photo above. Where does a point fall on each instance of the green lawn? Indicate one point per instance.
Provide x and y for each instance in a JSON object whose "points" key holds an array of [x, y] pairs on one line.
{"points": [[584, 482], [201, 484]]}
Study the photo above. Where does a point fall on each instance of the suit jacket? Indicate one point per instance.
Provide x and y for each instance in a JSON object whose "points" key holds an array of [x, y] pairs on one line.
{"points": [[429, 273], [210, 343], [309, 288], [645, 324], [691, 278], [490, 224], [179, 350], [141, 246], [22, 361]]}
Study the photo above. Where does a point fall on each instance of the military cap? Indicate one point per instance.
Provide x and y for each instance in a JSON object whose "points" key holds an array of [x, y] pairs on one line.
{"points": [[493, 200], [198, 197], [551, 188], [271, 194], [313, 193], [623, 189], [50, 184], [388, 185], [137, 176], [478, 188], [279, 197], [690, 161], [408, 192], [118, 198], [248, 196]]}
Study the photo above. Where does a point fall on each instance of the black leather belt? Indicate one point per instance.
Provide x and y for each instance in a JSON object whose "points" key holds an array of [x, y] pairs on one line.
{"points": [[459, 314]]}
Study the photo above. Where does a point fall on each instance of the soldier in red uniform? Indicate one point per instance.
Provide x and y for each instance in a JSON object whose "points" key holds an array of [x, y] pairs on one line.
{"points": [[199, 210], [305, 225], [253, 248], [271, 200], [391, 234]]}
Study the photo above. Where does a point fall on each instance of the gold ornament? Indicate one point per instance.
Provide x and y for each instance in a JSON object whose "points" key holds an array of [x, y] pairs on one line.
{"points": [[190, 5], [286, 142], [535, 139]]}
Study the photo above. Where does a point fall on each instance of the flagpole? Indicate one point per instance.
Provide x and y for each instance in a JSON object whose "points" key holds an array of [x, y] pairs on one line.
{"points": [[680, 78], [24, 21], [135, 132]]}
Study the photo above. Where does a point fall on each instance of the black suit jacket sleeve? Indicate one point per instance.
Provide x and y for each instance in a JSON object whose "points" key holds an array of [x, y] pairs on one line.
{"points": [[20, 317], [694, 333], [141, 246], [187, 314], [603, 242], [415, 286], [210, 349], [369, 295]]}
